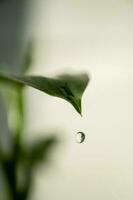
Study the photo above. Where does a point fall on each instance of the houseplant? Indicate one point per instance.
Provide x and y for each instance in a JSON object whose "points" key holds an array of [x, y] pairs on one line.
{"points": [[20, 161]]}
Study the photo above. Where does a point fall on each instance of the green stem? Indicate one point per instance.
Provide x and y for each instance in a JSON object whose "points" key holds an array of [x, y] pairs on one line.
{"points": [[10, 166], [20, 111]]}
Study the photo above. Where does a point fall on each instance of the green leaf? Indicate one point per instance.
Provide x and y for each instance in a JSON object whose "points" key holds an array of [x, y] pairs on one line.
{"points": [[27, 61], [68, 87], [40, 150]]}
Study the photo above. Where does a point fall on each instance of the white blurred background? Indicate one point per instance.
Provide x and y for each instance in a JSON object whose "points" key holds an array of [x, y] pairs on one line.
{"points": [[97, 37]]}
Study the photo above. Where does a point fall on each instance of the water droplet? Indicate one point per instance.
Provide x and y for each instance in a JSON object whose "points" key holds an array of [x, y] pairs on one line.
{"points": [[80, 137]]}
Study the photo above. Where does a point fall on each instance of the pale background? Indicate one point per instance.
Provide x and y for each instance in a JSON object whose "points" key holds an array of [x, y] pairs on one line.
{"points": [[97, 37]]}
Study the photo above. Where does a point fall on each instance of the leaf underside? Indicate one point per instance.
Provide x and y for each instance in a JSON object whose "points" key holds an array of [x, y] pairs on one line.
{"points": [[68, 87]]}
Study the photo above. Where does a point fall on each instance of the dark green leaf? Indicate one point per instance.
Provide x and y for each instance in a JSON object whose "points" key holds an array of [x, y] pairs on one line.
{"points": [[39, 151], [68, 87]]}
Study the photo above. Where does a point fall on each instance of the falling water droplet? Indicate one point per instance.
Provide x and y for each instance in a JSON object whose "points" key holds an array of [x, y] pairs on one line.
{"points": [[80, 137]]}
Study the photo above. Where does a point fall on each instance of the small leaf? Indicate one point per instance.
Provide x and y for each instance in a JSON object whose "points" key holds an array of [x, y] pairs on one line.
{"points": [[40, 150], [27, 61], [68, 87]]}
